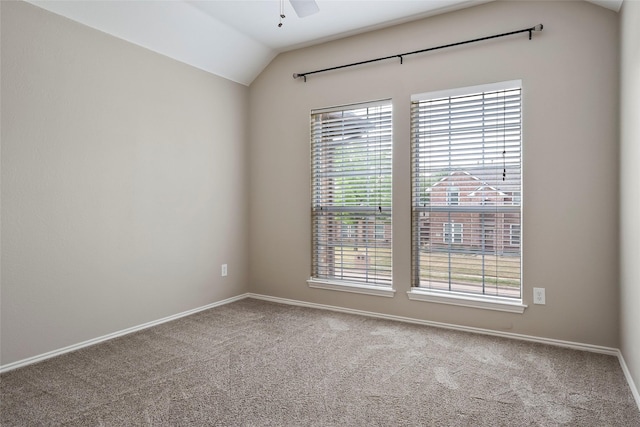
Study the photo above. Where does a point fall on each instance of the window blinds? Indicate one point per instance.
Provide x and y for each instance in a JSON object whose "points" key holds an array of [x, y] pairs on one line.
{"points": [[351, 193], [466, 190]]}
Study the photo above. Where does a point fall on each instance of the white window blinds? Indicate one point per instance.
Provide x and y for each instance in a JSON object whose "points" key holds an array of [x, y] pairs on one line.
{"points": [[466, 187], [351, 193]]}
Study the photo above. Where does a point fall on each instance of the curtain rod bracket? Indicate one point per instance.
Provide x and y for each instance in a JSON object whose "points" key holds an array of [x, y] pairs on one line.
{"points": [[298, 75], [400, 56]]}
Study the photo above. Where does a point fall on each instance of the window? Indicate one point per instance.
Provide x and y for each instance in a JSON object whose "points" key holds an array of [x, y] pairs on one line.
{"points": [[453, 196], [514, 232], [514, 198], [466, 145], [351, 194], [379, 232], [347, 231], [452, 232]]}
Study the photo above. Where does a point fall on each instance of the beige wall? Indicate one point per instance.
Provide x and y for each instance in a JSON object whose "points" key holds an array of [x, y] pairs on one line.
{"points": [[630, 188], [125, 179], [570, 89], [123, 184]]}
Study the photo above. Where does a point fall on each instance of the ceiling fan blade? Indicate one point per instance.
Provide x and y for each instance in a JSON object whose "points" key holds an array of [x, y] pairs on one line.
{"points": [[305, 7]]}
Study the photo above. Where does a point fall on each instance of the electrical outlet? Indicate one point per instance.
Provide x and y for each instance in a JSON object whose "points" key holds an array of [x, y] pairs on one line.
{"points": [[538, 296], [223, 270]]}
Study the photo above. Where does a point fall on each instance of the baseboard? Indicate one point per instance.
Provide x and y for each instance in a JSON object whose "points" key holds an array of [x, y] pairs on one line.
{"points": [[54, 353], [627, 374], [560, 343], [550, 341]]}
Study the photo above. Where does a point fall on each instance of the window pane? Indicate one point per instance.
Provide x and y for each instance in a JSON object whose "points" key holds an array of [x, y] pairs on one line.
{"points": [[351, 191], [466, 192]]}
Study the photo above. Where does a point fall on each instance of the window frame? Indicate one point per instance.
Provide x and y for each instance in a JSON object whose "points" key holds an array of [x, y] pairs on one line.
{"points": [[449, 232], [450, 296], [331, 270]]}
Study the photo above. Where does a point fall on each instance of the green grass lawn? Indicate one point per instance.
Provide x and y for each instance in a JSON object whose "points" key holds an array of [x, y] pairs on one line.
{"points": [[502, 270], [468, 269]]}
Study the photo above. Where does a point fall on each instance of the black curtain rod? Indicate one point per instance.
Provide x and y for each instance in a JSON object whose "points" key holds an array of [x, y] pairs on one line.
{"points": [[401, 55]]}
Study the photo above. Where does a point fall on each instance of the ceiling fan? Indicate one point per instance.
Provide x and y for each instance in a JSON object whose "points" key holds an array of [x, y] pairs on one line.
{"points": [[302, 8]]}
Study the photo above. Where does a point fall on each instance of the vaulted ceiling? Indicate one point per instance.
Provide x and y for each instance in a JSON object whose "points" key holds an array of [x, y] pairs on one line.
{"points": [[236, 39]]}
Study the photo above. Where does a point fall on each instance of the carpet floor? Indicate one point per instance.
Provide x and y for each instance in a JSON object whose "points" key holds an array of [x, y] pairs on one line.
{"points": [[256, 363]]}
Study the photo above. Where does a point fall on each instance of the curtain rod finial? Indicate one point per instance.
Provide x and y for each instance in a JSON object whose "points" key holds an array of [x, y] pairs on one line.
{"points": [[538, 27]]}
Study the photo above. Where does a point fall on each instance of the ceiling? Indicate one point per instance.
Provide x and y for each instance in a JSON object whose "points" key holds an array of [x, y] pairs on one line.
{"points": [[237, 39]]}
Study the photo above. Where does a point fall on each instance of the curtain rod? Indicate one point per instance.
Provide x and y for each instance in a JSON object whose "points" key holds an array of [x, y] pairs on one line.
{"points": [[401, 55]]}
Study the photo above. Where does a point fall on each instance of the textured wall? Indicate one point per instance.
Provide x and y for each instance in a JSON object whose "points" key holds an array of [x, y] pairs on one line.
{"points": [[123, 184], [630, 187], [570, 155]]}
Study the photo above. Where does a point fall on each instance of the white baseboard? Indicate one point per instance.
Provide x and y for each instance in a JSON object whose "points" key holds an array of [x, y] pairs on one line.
{"points": [[627, 374], [559, 343], [58, 352]]}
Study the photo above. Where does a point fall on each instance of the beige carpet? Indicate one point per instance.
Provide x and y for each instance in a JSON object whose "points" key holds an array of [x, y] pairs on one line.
{"points": [[254, 363]]}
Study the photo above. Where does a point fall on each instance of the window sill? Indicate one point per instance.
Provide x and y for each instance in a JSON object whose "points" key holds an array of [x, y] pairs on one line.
{"points": [[380, 291], [464, 300]]}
